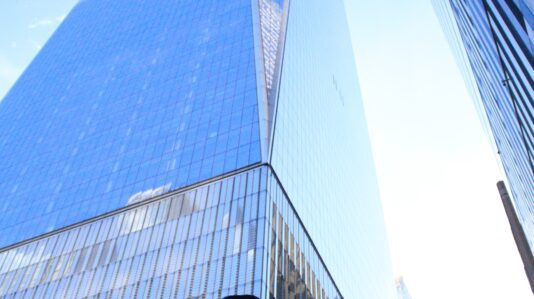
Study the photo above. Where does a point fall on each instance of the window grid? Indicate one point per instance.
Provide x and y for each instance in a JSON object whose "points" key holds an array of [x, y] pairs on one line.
{"points": [[208, 241], [127, 115]]}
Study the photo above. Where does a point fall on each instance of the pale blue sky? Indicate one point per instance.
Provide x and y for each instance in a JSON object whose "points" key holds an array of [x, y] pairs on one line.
{"points": [[25, 25], [448, 233]]}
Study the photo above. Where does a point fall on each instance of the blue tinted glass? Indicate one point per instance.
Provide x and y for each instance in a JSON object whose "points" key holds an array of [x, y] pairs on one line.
{"points": [[322, 154], [127, 100], [496, 39], [218, 239]]}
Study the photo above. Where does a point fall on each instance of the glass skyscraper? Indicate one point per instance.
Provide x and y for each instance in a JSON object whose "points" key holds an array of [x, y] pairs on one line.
{"points": [[493, 41], [191, 149], [402, 289]]}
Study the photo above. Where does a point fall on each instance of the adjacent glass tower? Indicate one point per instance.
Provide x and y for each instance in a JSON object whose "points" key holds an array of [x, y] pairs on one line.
{"points": [[191, 149], [402, 289], [494, 43]]}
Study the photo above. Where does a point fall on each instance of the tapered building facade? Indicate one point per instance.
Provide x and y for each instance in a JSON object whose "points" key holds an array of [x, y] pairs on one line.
{"points": [[191, 149], [493, 41], [402, 289]]}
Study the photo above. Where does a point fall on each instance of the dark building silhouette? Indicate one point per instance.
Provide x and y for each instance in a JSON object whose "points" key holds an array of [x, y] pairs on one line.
{"points": [[519, 235]]}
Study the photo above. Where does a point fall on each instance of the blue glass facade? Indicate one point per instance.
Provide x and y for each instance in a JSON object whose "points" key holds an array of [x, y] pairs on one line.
{"points": [[238, 235], [109, 109], [496, 39], [191, 149], [321, 149]]}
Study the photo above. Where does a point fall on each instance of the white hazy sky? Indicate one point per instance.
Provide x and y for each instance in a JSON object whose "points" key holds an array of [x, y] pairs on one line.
{"points": [[449, 235], [448, 232]]}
